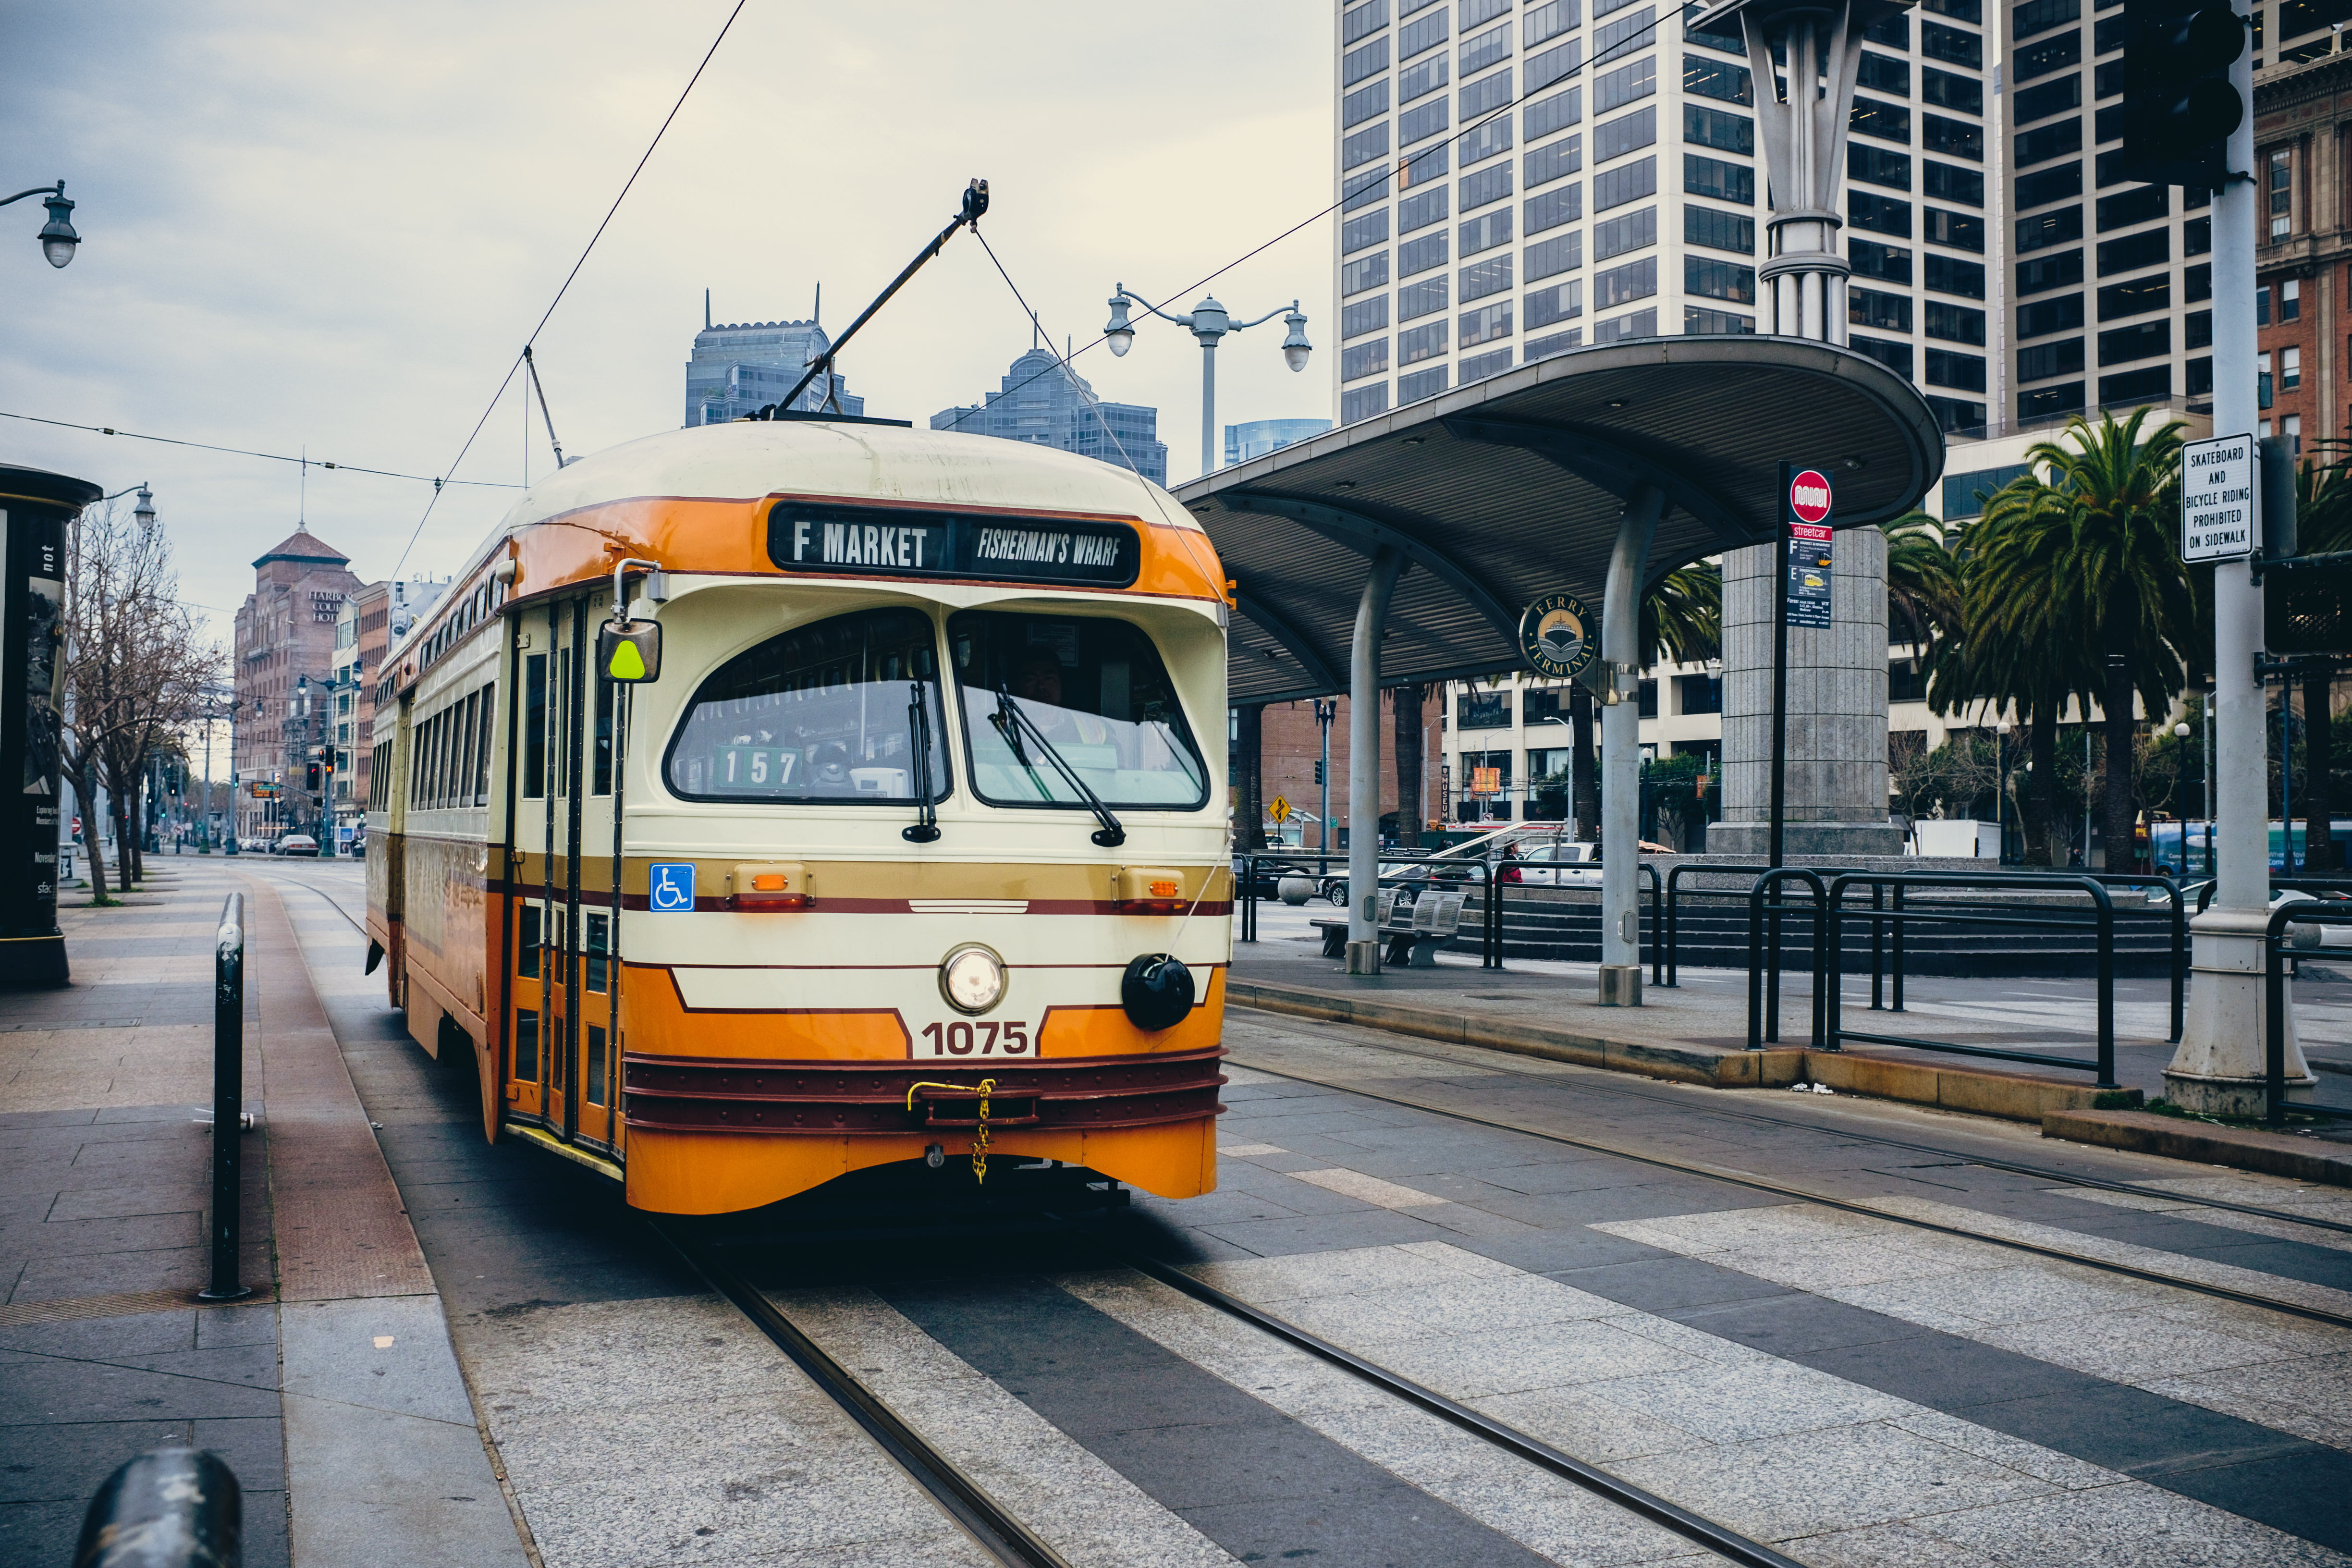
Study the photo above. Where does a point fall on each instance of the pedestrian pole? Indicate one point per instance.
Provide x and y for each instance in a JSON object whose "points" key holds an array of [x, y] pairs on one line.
{"points": [[2219, 1068], [228, 1102]]}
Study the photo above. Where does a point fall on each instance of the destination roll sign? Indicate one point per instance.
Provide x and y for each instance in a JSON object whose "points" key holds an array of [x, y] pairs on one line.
{"points": [[2218, 517], [894, 541]]}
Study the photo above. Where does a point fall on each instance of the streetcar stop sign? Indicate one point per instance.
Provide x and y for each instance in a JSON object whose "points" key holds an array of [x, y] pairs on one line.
{"points": [[1808, 496], [1279, 810], [2219, 520], [629, 651], [1556, 636]]}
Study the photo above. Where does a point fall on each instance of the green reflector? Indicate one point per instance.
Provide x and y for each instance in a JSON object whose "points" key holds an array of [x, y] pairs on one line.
{"points": [[627, 664]]}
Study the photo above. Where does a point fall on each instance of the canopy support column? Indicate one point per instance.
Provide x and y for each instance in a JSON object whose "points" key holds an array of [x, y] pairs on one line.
{"points": [[1364, 761], [1621, 752]]}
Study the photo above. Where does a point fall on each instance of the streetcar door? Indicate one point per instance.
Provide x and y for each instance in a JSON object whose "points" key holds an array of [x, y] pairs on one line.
{"points": [[567, 625], [596, 894], [535, 908]]}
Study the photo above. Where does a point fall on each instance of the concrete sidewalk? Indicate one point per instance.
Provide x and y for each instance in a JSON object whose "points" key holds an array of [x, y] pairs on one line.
{"points": [[331, 1390]]}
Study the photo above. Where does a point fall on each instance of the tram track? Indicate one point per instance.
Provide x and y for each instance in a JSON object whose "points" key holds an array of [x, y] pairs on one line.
{"points": [[1753, 1183], [1603, 1083], [998, 1530]]}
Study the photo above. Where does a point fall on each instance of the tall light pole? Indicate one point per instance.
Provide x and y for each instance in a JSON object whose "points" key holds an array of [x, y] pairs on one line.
{"points": [[1208, 323], [57, 236]]}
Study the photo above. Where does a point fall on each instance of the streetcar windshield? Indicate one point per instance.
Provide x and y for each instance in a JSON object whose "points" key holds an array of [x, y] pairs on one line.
{"points": [[823, 712], [1095, 690]]}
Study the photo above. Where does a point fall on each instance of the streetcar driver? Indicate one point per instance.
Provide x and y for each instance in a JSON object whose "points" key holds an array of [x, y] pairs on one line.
{"points": [[1037, 682]]}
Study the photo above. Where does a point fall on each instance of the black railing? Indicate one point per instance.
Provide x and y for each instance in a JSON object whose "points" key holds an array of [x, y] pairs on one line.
{"points": [[1888, 965], [228, 1102], [173, 1508], [1829, 948], [2308, 911], [1764, 952]]}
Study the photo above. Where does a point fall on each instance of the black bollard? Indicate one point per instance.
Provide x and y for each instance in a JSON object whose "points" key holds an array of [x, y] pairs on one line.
{"points": [[228, 1102], [173, 1508]]}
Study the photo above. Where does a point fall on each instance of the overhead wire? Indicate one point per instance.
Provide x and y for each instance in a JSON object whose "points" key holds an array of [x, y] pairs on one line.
{"points": [[627, 185], [245, 452]]}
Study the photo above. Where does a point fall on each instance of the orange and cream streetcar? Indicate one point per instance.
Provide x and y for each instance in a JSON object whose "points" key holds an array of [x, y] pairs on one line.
{"points": [[775, 800]]}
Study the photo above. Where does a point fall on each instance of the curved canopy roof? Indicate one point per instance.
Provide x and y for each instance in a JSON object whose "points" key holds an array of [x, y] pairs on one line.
{"points": [[1512, 488]]}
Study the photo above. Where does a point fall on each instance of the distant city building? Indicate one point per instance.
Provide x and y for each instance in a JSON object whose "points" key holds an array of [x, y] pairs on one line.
{"points": [[1043, 402], [1259, 436], [285, 650], [740, 368]]}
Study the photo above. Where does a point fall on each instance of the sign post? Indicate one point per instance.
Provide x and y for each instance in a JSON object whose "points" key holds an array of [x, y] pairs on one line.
{"points": [[1803, 545]]}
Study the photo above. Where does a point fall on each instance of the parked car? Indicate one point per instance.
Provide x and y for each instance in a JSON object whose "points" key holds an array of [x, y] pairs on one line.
{"points": [[1562, 864], [296, 843], [2315, 935]]}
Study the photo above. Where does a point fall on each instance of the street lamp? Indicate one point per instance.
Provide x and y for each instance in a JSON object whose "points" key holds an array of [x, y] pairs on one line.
{"points": [[1208, 323], [57, 235]]}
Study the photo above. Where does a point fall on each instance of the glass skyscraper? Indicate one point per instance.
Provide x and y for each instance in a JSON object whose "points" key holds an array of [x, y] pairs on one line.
{"points": [[1041, 401], [740, 368]]}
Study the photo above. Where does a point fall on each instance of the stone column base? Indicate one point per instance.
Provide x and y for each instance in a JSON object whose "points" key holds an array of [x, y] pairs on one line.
{"points": [[2238, 1097], [1620, 985], [1364, 957], [1841, 840]]}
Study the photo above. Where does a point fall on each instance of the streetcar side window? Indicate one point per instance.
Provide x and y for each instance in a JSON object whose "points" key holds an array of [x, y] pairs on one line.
{"points": [[534, 726], [526, 1065], [595, 1080], [526, 943], [606, 686], [482, 753], [599, 931], [823, 713], [1099, 693]]}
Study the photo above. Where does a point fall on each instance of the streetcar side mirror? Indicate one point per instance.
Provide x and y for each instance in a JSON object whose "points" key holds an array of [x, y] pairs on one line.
{"points": [[629, 651]]}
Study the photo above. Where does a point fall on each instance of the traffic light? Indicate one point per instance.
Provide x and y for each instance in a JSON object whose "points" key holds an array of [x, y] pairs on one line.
{"points": [[2179, 106], [1318, 771], [310, 776]]}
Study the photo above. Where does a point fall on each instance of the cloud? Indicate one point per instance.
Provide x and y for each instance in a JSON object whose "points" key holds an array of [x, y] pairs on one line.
{"points": [[330, 227]]}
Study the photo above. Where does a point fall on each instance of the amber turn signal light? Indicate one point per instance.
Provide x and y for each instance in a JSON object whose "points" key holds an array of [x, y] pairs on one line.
{"points": [[1150, 891], [782, 885]]}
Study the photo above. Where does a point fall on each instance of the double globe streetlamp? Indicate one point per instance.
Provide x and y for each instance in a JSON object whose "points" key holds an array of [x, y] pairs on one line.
{"points": [[1208, 323], [57, 235]]}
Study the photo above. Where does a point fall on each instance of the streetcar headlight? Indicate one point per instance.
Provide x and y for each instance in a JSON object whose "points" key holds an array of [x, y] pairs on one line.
{"points": [[972, 979]]}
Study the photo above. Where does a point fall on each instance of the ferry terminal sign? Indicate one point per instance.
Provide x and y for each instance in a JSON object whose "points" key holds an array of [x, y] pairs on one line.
{"points": [[1556, 636], [2218, 517]]}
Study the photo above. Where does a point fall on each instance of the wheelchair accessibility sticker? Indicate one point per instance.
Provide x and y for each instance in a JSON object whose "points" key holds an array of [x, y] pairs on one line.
{"points": [[671, 889]]}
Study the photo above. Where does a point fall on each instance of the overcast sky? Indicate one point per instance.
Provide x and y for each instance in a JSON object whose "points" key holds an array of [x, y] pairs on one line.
{"points": [[333, 225]]}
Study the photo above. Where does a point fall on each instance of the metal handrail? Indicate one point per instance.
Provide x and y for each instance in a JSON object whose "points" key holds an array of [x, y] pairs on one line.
{"points": [[1763, 1027], [2306, 912], [171, 1508], [228, 1102], [1829, 954]]}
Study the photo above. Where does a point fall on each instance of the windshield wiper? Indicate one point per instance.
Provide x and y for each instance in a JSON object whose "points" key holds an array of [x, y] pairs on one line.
{"points": [[926, 827], [1011, 721]]}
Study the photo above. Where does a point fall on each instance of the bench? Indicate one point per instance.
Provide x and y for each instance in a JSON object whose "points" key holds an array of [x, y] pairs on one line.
{"points": [[1414, 931]]}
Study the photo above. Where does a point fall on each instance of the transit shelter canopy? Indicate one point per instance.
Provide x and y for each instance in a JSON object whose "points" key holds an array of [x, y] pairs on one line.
{"points": [[1512, 488]]}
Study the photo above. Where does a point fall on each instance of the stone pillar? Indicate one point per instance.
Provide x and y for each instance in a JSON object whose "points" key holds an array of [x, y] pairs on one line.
{"points": [[1835, 783]]}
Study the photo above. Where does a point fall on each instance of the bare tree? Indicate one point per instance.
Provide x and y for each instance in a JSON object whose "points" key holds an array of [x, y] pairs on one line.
{"points": [[136, 668]]}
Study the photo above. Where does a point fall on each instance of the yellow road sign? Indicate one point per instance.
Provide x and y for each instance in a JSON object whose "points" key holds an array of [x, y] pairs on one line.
{"points": [[1279, 810]]}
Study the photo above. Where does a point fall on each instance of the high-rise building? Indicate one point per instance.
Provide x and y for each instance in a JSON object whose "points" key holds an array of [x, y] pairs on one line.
{"points": [[1515, 181], [2111, 287], [1042, 401], [285, 652], [740, 368], [1256, 437]]}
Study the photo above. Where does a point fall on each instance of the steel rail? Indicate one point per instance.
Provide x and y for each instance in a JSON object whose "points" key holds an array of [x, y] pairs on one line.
{"points": [[963, 1498], [1990, 1163], [1846, 1205], [1696, 1528]]}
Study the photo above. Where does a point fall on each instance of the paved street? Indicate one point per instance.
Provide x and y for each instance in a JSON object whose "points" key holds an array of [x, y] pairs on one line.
{"points": [[1848, 1387]]}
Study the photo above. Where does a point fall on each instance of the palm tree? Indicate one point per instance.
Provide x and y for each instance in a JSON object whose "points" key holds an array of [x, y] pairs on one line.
{"points": [[2078, 563], [2323, 512], [1682, 615]]}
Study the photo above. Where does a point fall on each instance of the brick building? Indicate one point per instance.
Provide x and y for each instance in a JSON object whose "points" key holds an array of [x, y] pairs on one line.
{"points": [[2304, 244], [285, 654], [1291, 743]]}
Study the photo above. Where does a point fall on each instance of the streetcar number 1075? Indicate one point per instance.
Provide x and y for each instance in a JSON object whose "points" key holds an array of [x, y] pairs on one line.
{"points": [[979, 1037]]}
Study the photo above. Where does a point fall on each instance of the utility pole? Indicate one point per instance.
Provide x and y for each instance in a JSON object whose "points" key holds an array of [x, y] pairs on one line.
{"points": [[1325, 711], [2219, 1068]]}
